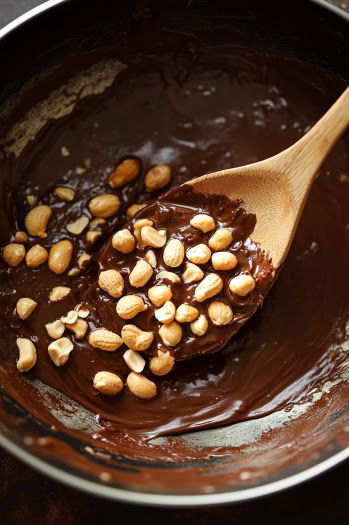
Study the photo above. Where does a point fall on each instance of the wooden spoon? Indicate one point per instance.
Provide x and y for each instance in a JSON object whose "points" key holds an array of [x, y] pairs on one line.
{"points": [[276, 188]]}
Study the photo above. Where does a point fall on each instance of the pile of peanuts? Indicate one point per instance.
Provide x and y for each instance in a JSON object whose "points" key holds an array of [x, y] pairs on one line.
{"points": [[59, 258]]}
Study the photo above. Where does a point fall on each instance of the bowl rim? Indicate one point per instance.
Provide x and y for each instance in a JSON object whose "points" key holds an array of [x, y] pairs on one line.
{"points": [[157, 499]]}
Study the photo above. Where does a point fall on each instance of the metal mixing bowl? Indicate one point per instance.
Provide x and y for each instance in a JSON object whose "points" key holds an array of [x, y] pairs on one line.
{"points": [[256, 457]]}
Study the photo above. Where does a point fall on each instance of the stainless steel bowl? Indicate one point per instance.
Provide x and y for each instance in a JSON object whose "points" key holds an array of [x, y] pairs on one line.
{"points": [[259, 456]]}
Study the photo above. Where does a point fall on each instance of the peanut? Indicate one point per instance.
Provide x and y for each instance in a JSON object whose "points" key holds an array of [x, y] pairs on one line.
{"points": [[134, 208], [27, 354], [170, 276], [134, 361], [112, 282], [171, 333], [203, 222], [82, 310], [55, 329], [158, 295], [58, 292], [36, 256], [65, 194], [157, 177], [64, 151], [126, 171], [92, 236], [105, 340], [31, 200], [73, 272], [70, 318], [192, 273], [161, 364], [211, 285], [21, 237], [220, 313], [95, 223], [124, 241], [129, 306], [152, 237], [79, 328], [199, 254], [135, 338], [83, 260], [150, 257], [140, 386], [166, 313], [200, 326], [107, 383], [36, 221], [220, 240], [13, 254], [78, 226], [186, 313], [242, 285], [60, 256], [59, 350], [25, 307], [224, 261], [105, 205], [140, 274], [174, 253], [137, 228]]}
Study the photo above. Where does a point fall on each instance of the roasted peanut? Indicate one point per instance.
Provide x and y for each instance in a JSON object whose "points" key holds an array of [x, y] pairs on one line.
{"points": [[134, 361], [105, 205], [31, 200], [211, 285], [79, 328], [192, 273], [105, 340], [60, 256], [203, 222], [170, 276], [27, 354], [95, 223], [135, 338], [82, 310], [220, 240], [21, 237], [124, 241], [129, 306], [58, 292], [70, 318], [199, 254], [108, 383], [152, 237], [161, 364], [159, 295], [186, 313], [223, 261], [174, 253], [134, 208], [140, 274], [220, 313], [200, 326], [140, 386], [13, 254], [55, 329], [65, 194], [242, 285], [78, 226], [126, 171], [157, 177], [137, 228], [73, 272], [166, 313], [64, 151], [36, 256], [150, 257], [36, 221], [171, 333], [92, 236], [59, 350], [83, 260], [112, 282], [25, 307]]}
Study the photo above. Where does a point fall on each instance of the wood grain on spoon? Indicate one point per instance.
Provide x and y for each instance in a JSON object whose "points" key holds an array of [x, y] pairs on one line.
{"points": [[276, 188]]}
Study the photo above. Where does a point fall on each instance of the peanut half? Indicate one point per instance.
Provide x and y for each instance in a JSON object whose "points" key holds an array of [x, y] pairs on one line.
{"points": [[158, 295], [134, 361], [220, 240], [123, 241], [242, 285], [203, 222], [140, 274], [27, 354], [126, 171], [186, 313], [173, 254], [152, 237], [58, 293], [171, 333], [134, 208], [36, 221], [25, 307], [166, 313], [192, 273], [65, 194], [200, 326], [220, 313], [135, 338], [59, 350], [78, 226], [129, 306], [13, 254], [55, 329], [223, 261], [105, 205], [36, 256], [162, 364], [108, 383], [105, 340], [112, 282], [150, 257], [60, 256], [211, 285], [169, 276], [79, 328], [21, 236], [140, 386], [199, 254], [157, 177]]}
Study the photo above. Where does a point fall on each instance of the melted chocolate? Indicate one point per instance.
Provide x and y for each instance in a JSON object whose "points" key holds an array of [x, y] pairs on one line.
{"points": [[224, 107]]}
